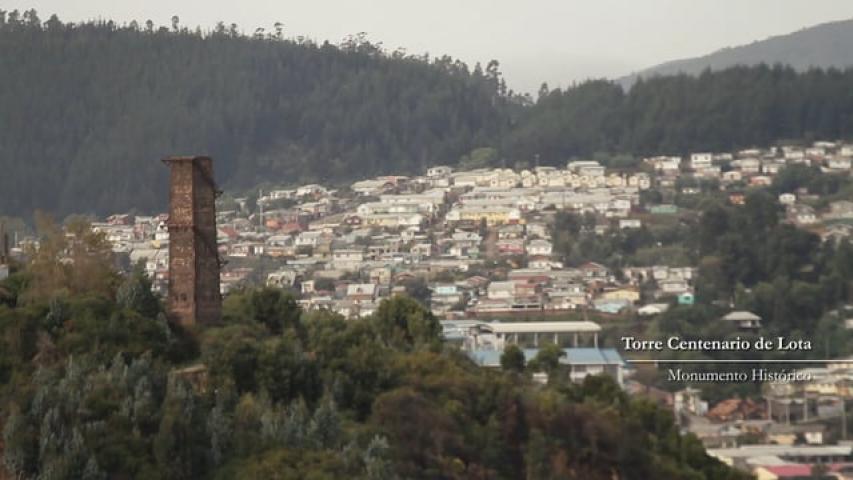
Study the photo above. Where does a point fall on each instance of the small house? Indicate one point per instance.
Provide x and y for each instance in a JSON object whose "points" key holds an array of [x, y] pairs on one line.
{"points": [[652, 309], [743, 320], [686, 298]]}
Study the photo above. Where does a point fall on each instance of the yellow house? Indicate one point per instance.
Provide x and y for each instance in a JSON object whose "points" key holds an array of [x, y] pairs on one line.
{"points": [[630, 294], [829, 388], [493, 215], [393, 219], [762, 473]]}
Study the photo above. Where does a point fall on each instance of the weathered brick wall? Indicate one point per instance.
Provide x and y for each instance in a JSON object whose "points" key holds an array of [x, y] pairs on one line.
{"points": [[208, 302], [193, 258], [182, 274]]}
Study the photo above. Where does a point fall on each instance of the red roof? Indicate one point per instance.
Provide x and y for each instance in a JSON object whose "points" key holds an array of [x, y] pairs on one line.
{"points": [[290, 227], [230, 232], [736, 409], [793, 470]]}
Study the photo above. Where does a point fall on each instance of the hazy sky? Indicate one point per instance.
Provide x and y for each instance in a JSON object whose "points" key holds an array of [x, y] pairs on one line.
{"points": [[558, 41]]}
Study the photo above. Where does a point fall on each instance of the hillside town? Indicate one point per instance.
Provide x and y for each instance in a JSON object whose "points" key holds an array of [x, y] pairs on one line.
{"points": [[479, 246], [479, 243]]}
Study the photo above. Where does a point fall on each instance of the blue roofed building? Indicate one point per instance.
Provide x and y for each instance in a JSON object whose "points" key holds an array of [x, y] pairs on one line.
{"points": [[594, 361], [484, 342], [611, 305], [580, 362]]}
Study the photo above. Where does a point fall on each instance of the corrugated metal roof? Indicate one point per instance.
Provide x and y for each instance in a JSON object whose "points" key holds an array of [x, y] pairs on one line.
{"points": [[741, 315], [592, 356], [543, 327], [574, 356]]}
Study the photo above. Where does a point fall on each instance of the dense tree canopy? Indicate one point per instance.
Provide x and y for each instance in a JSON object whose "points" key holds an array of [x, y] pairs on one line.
{"points": [[89, 109], [91, 102], [94, 385]]}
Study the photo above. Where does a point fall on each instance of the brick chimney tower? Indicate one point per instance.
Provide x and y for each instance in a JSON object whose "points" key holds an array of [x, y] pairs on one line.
{"points": [[194, 297], [4, 245]]}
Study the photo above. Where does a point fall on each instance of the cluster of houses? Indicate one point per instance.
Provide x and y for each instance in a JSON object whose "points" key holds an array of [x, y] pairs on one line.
{"points": [[753, 166], [347, 249], [479, 241], [794, 426], [775, 462], [833, 224], [476, 243], [447, 227]]}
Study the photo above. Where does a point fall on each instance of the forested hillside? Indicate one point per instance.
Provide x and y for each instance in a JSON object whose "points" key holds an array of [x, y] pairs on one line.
{"points": [[719, 111], [87, 110], [822, 46]]}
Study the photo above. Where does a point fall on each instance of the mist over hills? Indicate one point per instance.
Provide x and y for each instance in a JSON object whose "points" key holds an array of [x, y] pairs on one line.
{"points": [[87, 110], [826, 45]]}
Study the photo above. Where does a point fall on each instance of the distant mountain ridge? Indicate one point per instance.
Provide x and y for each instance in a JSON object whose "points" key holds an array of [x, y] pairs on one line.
{"points": [[823, 46]]}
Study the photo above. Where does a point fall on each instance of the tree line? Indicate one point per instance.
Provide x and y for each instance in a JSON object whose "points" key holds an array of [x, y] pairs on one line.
{"points": [[90, 107]]}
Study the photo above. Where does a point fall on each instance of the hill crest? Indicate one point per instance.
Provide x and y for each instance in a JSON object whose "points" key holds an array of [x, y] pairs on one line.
{"points": [[826, 45]]}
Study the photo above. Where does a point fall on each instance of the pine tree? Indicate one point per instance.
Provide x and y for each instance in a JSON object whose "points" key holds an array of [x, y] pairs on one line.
{"points": [[377, 465], [325, 430], [19, 445]]}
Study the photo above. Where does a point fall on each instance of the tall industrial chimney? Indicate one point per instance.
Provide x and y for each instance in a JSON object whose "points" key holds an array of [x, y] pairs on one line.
{"points": [[194, 297]]}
